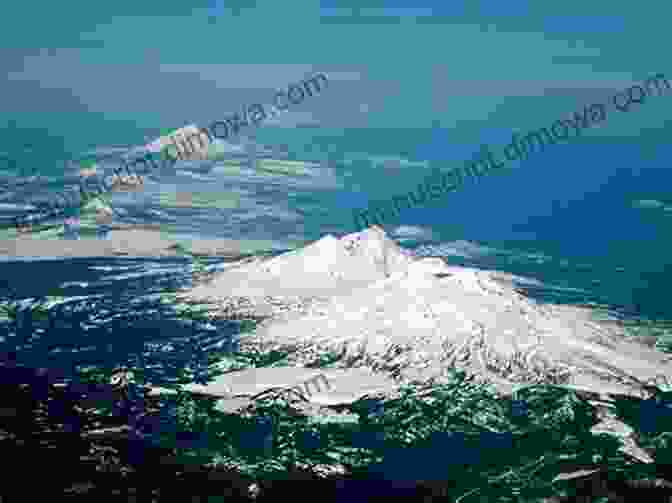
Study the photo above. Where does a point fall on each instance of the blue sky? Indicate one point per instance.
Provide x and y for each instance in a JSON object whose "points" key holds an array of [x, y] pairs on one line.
{"points": [[468, 66]]}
